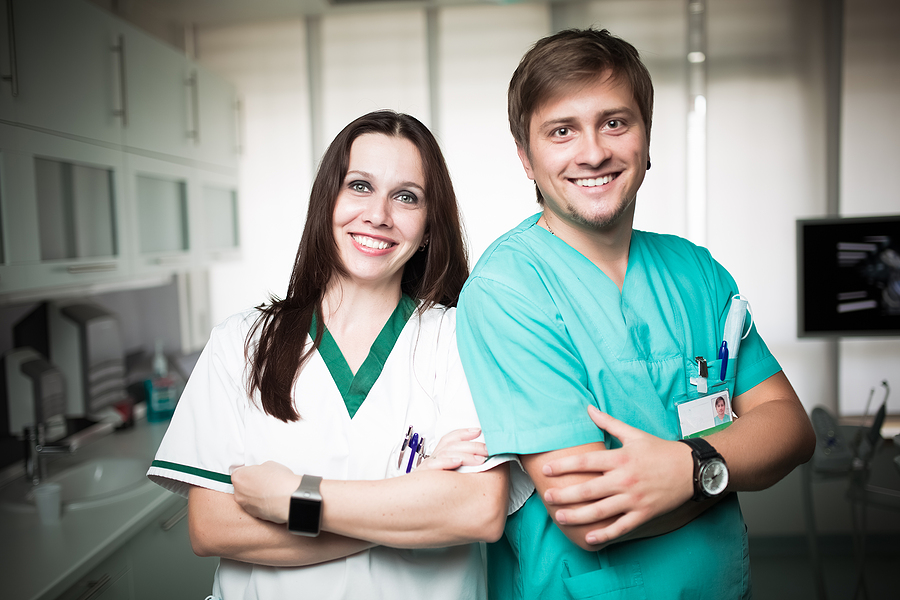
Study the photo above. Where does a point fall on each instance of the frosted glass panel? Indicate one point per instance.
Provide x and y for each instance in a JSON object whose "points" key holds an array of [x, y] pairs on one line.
{"points": [[220, 213], [76, 210], [162, 214]]}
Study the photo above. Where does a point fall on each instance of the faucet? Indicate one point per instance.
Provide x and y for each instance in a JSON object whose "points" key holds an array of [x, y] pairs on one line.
{"points": [[36, 450]]}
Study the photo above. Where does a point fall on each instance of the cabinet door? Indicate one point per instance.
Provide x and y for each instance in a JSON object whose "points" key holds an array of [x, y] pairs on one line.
{"points": [[63, 213], [162, 562], [216, 119], [219, 216], [68, 68], [159, 97], [163, 220], [111, 580]]}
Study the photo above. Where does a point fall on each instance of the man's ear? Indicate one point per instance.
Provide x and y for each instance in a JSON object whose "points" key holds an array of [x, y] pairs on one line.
{"points": [[526, 162]]}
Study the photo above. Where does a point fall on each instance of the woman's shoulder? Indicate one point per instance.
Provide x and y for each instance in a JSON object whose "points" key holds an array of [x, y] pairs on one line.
{"points": [[239, 323]]}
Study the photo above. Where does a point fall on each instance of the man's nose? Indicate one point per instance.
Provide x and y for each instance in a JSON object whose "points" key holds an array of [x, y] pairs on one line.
{"points": [[593, 149]]}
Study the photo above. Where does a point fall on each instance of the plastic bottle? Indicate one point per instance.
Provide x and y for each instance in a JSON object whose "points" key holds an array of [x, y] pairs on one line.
{"points": [[162, 394]]}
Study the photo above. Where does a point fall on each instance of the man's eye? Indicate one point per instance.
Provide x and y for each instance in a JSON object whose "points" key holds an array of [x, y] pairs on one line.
{"points": [[561, 132], [614, 124]]}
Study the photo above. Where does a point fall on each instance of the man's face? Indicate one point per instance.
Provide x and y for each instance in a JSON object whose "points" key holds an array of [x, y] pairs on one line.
{"points": [[588, 153]]}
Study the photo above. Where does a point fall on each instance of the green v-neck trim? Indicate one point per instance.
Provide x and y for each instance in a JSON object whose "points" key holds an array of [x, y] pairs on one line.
{"points": [[355, 388]]}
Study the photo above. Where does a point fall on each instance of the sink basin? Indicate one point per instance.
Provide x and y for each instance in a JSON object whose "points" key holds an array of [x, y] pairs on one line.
{"points": [[86, 484]]}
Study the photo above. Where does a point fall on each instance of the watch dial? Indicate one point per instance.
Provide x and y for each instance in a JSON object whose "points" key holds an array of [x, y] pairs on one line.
{"points": [[714, 477]]}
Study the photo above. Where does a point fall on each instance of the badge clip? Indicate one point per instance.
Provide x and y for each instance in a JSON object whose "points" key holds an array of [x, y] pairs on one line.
{"points": [[702, 375]]}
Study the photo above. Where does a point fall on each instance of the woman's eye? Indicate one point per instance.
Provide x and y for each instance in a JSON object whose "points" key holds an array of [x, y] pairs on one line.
{"points": [[359, 186], [407, 198]]}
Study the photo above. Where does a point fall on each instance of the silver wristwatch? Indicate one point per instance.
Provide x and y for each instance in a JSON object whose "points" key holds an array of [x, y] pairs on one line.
{"points": [[710, 470]]}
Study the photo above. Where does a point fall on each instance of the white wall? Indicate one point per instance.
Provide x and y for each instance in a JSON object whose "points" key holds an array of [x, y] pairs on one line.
{"points": [[766, 148], [870, 177]]}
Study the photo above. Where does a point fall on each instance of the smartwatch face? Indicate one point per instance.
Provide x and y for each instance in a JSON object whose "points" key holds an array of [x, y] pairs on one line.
{"points": [[304, 515], [714, 477]]}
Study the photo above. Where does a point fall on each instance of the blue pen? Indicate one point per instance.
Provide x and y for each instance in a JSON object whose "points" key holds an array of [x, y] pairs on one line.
{"points": [[723, 356], [413, 446]]}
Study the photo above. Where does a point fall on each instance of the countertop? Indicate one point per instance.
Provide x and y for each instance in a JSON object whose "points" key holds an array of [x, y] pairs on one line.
{"points": [[39, 562]]}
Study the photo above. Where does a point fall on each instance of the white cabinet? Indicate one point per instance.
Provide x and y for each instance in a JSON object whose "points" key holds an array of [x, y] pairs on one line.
{"points": [[74, 69], [67, 68], [215, 119], [156, 563], [217, 214], [118, 155], [163, 219], [164, 548], [110, 580], [158, 89], [62, 206]]}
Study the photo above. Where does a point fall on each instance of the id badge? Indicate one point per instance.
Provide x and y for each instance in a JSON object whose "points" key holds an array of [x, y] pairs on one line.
{"points": [[703, 416]]}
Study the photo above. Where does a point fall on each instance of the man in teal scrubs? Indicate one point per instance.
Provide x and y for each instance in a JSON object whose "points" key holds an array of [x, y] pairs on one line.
{"points": [[574, 311]]}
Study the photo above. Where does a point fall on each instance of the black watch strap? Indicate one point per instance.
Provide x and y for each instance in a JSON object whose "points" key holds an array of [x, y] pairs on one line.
{"points": [[701, 448]]}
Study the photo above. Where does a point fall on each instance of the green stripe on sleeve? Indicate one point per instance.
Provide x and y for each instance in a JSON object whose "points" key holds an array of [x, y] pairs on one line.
{"points": [[192, 471]]}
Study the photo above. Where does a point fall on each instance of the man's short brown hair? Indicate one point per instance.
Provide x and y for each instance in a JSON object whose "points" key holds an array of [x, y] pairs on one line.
{"points": [[569, 58]]}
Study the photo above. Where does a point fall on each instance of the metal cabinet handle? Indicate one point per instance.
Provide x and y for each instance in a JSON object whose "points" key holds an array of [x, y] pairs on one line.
{"points": [[13, 77], [239, 126], [96, 588], [194, 84], [92, 268], [119, 49], [174, 519]]}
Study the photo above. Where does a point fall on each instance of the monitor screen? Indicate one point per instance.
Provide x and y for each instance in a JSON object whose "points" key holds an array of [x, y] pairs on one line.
{"points": [[848, 276]]}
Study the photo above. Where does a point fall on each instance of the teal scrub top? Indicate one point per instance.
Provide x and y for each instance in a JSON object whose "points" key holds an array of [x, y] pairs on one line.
{"points": [[542, 333]]}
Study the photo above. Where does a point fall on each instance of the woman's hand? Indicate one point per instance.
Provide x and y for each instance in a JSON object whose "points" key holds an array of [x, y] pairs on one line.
{"points": [[264, 491], [456, 450]]}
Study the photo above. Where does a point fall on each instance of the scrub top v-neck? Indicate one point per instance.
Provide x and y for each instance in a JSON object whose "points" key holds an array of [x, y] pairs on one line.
{"points": [[355, 387]]}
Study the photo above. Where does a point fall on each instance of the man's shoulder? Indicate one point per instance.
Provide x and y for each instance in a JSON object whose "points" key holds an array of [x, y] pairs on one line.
{"points": [[512, 258], [672, 251]]}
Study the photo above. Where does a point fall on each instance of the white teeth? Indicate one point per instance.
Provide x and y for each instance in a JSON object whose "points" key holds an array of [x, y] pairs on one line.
{"points": [[370, 242], [594, 182]]}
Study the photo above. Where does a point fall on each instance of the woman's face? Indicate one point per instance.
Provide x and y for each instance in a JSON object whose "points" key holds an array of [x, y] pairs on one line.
{"points": [[379, 216], [720, 407]]}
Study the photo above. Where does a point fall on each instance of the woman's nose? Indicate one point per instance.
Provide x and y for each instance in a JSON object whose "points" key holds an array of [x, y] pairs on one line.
{"points": [[377, 211]]}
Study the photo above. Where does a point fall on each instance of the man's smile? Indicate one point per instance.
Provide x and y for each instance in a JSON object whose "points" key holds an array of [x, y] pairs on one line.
{"points": [[594, 182]]}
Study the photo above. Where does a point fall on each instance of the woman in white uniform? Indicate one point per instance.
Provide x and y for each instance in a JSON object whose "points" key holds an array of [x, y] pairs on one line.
{"points": [[353, 378]]}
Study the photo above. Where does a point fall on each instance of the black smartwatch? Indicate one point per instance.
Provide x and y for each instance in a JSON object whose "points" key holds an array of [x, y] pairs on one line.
{"points": [[305, 516], [710, 470]]}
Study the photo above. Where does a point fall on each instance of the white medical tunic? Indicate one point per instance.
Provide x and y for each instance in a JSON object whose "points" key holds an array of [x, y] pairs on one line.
{"points": [[352, 427]]}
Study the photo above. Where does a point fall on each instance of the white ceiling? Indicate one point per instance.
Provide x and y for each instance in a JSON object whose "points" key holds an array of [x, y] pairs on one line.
{"points": [[226, 12]]}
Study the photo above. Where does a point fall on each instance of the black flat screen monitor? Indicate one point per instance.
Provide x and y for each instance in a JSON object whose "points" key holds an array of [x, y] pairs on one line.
{"points": [[848, 277]]}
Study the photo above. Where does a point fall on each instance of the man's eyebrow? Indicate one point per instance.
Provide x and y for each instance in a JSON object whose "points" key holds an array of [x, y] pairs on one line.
{"points": [[600, 116]]}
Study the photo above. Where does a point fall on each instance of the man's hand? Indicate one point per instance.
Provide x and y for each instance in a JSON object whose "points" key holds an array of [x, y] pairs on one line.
{"points": [[647, 477], [456, 450], [264, 491]]}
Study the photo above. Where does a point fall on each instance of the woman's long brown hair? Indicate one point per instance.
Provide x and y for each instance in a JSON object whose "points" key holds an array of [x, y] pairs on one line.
{"points": [[433, 276]]}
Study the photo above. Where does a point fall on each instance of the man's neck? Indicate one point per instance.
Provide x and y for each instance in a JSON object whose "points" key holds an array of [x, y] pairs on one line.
{"points": [[607, 248]]}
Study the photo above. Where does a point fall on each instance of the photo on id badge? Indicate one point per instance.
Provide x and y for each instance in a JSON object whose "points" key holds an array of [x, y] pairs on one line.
{"points": [[705, 415]]}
